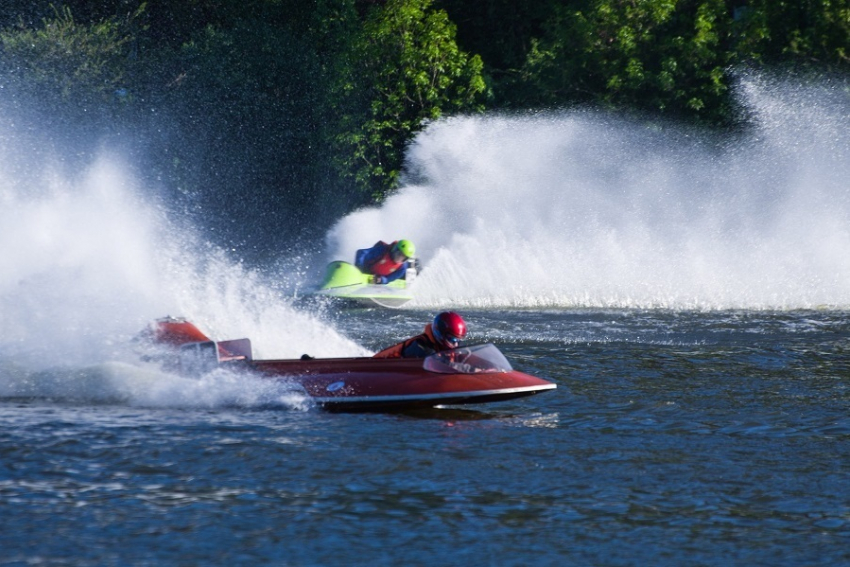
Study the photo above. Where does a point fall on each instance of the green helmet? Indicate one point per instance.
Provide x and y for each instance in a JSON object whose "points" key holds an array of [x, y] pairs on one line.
{"points": [[406, 247]]}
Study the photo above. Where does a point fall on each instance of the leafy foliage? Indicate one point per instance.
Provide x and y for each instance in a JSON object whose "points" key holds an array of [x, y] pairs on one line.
{"points": [[261, 110], [661, 56], [408, 70], [67, 60], [815, 33]]}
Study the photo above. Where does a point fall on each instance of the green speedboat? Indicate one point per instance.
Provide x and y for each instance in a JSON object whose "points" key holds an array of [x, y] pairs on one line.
{"points": [[345, 282]]}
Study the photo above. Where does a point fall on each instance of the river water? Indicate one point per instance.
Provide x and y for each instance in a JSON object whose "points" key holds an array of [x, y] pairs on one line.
{"points": [[674, 438], [688, 294]]}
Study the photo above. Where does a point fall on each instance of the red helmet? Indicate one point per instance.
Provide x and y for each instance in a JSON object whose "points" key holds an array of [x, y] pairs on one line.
{"points": [[449, 328]]}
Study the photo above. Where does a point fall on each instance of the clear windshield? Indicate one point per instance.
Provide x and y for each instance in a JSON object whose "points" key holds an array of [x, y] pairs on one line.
{"points": [[468, 360]]}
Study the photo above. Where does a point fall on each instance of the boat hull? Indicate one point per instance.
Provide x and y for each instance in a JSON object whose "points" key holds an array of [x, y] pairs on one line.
{"points": [[345, 283], [465, 375], [367, 295], [368, 384]]}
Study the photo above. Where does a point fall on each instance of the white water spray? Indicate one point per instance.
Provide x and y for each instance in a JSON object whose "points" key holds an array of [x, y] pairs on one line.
{"points": [[89, 259], [582, 209]]}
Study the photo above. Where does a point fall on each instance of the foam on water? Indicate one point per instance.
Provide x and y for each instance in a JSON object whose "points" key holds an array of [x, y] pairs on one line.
{"points": [[584, 209], [149, 386]]}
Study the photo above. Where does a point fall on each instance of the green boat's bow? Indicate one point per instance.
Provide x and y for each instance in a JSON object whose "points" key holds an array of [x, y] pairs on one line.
{"points": [[343, 274], [344, 281]]}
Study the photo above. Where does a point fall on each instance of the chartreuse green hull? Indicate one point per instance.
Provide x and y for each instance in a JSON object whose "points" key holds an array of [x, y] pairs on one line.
{"points": [[345, 281]]}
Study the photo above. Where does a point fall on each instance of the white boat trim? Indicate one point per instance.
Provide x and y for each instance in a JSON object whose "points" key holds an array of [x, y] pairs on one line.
{"points": [[428, 397]]}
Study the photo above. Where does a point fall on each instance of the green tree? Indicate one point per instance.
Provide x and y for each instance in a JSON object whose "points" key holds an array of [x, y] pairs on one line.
{"points": [[813, 34], [661, 55], [405, 69], [81, 64]]}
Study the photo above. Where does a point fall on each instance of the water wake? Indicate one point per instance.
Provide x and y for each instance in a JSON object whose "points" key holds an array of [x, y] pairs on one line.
{"points": [[566, 209], [90, 258]]}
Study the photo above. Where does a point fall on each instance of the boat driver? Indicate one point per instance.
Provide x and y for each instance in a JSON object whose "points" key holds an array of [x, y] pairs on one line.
{"points": [[385, 262], [444, 333]]}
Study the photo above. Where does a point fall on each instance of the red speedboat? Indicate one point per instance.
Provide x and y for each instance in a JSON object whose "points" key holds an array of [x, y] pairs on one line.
{"points": [[465, 375]]}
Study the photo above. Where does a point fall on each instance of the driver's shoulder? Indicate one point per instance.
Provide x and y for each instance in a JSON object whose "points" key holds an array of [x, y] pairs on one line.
{"points": [[419, 347]]}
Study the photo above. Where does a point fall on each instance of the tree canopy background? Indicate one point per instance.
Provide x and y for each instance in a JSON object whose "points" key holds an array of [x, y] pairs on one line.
{"points": [[271, 118]]}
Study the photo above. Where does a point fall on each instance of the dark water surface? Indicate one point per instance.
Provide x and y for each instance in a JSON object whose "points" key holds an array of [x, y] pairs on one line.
{"points": [[672, 439]]}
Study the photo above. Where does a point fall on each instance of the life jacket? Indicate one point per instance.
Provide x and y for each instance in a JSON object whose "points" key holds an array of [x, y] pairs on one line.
{"points": [[426, 342], [384, 265]]}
